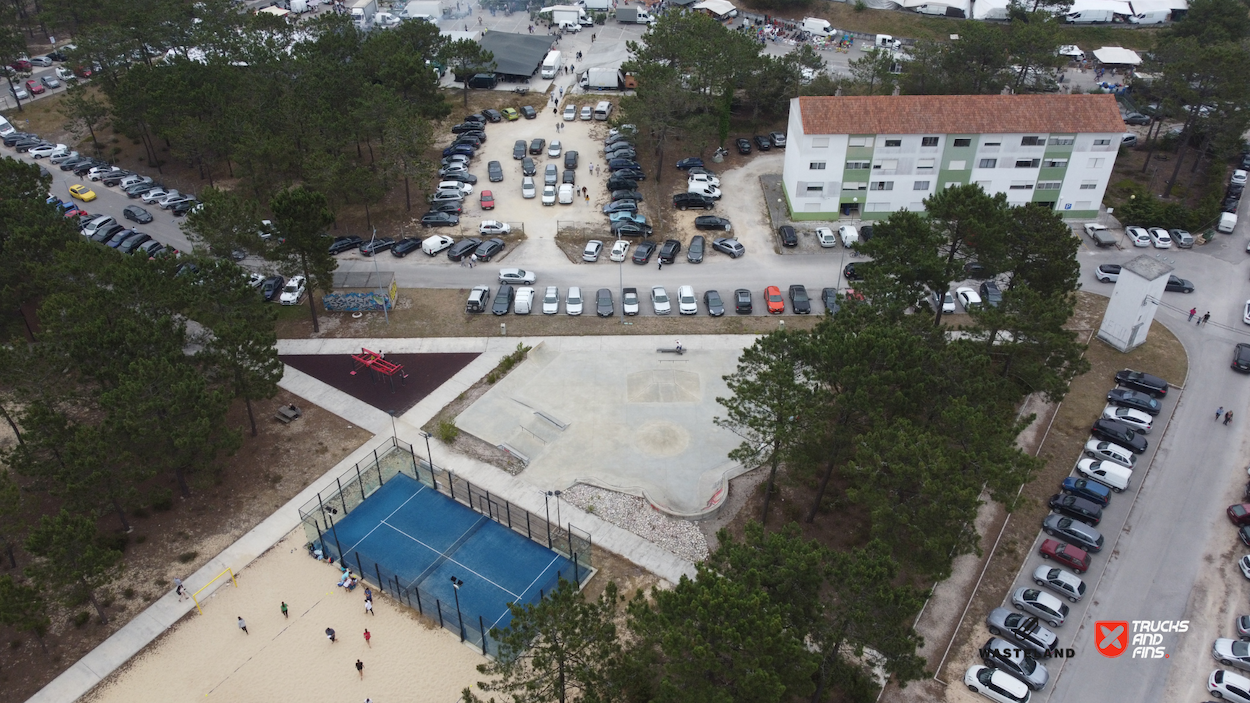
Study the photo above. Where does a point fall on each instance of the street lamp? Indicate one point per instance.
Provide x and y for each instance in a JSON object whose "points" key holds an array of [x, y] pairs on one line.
{"points": [[455, 585], [430, 456], [547, 507], [557, 495], [381, 291], [394, 434]]}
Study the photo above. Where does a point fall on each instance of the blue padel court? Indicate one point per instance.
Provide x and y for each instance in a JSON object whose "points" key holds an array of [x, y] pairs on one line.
{"points": [[426, 539]]}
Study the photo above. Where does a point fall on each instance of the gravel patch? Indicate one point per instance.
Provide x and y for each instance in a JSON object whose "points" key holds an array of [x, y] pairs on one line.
{"points": [[681, 537]]}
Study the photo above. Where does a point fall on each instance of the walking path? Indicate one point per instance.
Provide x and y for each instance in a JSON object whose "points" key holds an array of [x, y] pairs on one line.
{"points": [[165, 612]]}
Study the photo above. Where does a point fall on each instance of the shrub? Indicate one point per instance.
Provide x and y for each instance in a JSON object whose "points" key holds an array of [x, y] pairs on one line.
{"points": [[860, 5], [116, 541], [447, 431], [81, 619], [129, 593], [140, 539], [187, 557], [161, 499]]}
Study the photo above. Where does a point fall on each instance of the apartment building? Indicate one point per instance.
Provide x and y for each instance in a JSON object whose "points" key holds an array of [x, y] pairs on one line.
{"points": [[865, 157]]}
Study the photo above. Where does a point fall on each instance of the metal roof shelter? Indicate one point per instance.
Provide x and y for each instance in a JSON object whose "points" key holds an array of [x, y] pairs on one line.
{"points": [[517, 55], [1117, 56]]}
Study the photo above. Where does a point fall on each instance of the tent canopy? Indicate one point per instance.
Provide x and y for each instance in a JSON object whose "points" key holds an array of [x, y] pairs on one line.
{"points": [[517, 54], [1117, 56], [720, 8]]}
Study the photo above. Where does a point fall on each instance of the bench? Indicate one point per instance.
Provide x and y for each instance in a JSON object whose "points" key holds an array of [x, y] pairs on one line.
{"points": [[287, 413]]}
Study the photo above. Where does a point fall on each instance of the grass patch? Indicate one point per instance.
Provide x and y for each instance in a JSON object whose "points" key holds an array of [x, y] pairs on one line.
{"points": [[81, 619], [187, 557]]}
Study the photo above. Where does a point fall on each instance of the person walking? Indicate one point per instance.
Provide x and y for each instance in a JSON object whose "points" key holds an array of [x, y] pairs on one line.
{"points": [[1206, 317], [243, 625], [284, 610], [1218, 413], [368, 593], [360, 669], [661, 266], [368, 637], [1192, 312], [330, 634], [1228, 417], [369, 607]]}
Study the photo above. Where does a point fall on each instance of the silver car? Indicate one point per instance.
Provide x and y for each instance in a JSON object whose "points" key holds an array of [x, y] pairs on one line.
{"points": [[1063, 582], [1010, 659], [1019, 629], [1041, 604], [1108, 451], [591, 253], [1074, 531], [1230, 652]]}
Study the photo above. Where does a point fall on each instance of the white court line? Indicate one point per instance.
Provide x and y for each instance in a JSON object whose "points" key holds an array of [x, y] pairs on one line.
{"points": [[423, 544], [527, 588], [383, 522]]}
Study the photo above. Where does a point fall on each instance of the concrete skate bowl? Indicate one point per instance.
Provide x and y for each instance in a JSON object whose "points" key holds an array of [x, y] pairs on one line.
{"points": [[621, 420]]}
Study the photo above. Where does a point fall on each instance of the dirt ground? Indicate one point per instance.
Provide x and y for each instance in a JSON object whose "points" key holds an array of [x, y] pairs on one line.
{"points": [[265, 473]]}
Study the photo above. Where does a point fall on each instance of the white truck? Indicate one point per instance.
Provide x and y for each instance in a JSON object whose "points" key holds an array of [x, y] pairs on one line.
{"points": [[362, 12], [1091, 16], [602, 79], [632, 15], [298, 7], [427, 10], [818, 27], [551, 64], [598, 5]]}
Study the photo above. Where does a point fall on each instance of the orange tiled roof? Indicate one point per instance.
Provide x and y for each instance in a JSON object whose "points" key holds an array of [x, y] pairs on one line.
{"points": [[960, 114]]}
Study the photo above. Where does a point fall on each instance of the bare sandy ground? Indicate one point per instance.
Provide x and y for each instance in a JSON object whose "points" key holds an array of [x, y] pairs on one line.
{"points": [[207, 657]]}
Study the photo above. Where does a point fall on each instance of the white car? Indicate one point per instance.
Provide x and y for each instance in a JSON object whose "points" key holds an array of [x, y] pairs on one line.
{"points": [[621, 248], [629, 301], [573, 303], [1230, 652], [527, 187], [687, 303], [65, 74], [1160, 238], [494, 227], [1111, 475], [20, 93], [591, 253], [996, 685], [1061, 581], [553, 149], [587, 112], [849, 236], [703, 189], [566, 194], [133, 181], [254, 279], [40, 152], [1114, 453], [1229, 686], [465, 189], [948, 302], [433, 245], [1239, 177], [517, 276], [101, 174], [1245, 316], [1136, 419], [703, 178], [293, 293], [968, 298], [524, 301], [549, 195], [153, 195], [1137, 235], [570, 113], [551, 300], [1244, 564], [659, 301], [824, 235]]}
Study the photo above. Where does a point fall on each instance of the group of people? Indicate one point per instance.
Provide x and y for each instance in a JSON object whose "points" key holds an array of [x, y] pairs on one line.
{"points": [[349, 579]]}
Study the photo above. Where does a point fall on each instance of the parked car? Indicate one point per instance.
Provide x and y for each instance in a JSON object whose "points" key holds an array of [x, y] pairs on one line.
{"points": [[1065, 583], [1138, 236], [744, 145], [518, 149], [570, 160], [603, 303], [493, 227], [463, 249], [687, 303], [788, 237], [712, 222], [494, 172], [1012, 660], [537, 145], [776, 304], [730, 246], [1020, 629], [742, 301], [1144, 382], [799, 302], [669, 251], [626, 228], [715, 306], [551, 300], [293, 291], [660, 303], [992, 683], [825, 237], [685, 201], [1073, 557], [689, 162], [694, 253], [1160, 238], [488, 249], [549, 195], [1136, 419], [1092, 491], [404, 247], [1120, 433], [1084, 510], [1074, 531], [629, 301], [524, 301], [503, 300], [527, 188], [591, 253], [1239, 514], [1135, 400], [1229, 686], [433, 245], [137, 214], [778, 139], [1182, 238], [1176, 284], [439, 219], [643, 252], [573, 302], [1045, 606], [1241, 358], [1230, 652], [1112, 475], [271, 288]]}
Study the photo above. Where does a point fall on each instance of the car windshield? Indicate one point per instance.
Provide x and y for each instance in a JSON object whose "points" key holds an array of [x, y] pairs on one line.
{"points": [[713, 299], [660, 297], [1241, 649], [774, 298], [631, 297], [575, 299], [1027, 664], [550, 297], [687, 298], [291, 287]]}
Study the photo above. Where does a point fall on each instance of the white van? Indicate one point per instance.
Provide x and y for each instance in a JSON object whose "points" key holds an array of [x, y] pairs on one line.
{"points": [[1228, 222], [5, 128], [551, 64], [819, 27], [603, 110], [1113, 476]]}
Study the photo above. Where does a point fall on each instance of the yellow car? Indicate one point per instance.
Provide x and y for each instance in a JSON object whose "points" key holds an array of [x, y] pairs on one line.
{"points": [[510, 114], [82, 192]]}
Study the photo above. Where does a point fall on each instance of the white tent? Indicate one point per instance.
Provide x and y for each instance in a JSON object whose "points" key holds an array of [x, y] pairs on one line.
{"points": [[1117, 56], [990, 9], [275, 11], [716, 8], [945, 8], [1119, 7]]}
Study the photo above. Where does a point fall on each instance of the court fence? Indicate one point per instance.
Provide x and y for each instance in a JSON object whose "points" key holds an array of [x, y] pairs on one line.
{"points": [[394, 457]]}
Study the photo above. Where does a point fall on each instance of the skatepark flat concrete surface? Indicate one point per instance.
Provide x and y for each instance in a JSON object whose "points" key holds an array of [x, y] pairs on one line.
{"points": [[628, 419]]}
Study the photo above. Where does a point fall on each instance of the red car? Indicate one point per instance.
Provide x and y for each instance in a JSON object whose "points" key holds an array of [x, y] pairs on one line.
{"points": [[776, 304], [75, 212], [83, 71], [21, 65], [488, 200], [35, 87], [1239, 514], [1073, 557]]}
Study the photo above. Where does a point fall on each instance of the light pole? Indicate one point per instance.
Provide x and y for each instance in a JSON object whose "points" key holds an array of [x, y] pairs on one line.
{"points": [[430, 457], [374, 255], [394, 434], [455, 585], [557, 495], [547, 507]]}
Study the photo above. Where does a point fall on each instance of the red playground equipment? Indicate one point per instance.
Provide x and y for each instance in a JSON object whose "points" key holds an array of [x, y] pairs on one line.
{"points": [[378, 367]]}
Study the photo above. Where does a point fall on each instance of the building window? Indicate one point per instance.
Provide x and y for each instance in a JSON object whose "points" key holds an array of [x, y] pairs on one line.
{"points": [[1049, 205], [963, 142], [854, 185], [1096, 163], [924, 164], [1102, 142], [1055, 163], [858, 165], [1049, 185], [987, 163], [928, 141], [1032, 141], [1021, 186], [815, 190], [882, 185], [817, 165], [958, 165], [920, 185], [820, 142], [893, 142], [1028, 163], [887, 165], [1061, 141], [992, 144], [1082, 205], [877, 207], [1089, 185], [860, 141]]}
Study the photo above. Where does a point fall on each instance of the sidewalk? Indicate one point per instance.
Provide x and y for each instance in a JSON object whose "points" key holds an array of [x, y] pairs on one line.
{"points": [[152, 622]]}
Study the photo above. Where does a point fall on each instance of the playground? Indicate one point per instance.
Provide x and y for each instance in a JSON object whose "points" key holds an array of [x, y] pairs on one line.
{"points": [[392, 383]]}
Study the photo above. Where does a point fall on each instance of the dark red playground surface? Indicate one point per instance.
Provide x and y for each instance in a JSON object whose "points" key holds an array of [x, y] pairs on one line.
{"points": [[425, 373]]}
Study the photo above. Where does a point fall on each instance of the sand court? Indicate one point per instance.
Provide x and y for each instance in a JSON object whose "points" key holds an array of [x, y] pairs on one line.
{"points": [[291, 659]]}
